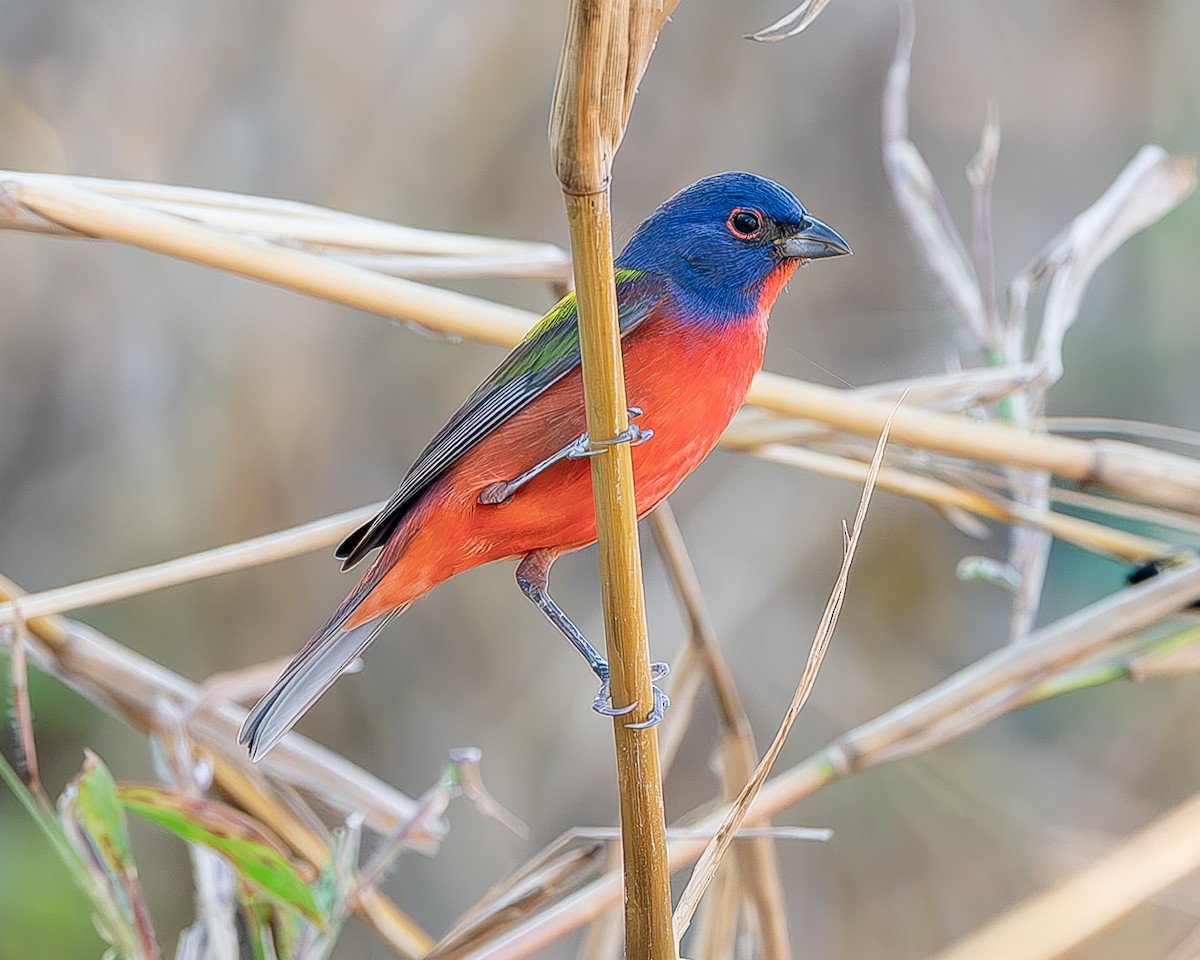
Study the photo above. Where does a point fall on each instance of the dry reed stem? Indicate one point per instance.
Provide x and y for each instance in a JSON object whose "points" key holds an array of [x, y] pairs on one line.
{"points": [[282, 221], [739, 755], [281, 545], [324, 532], [1052, 923], [605, 52], [1109, 541], [710, 860], [96, 215], [647, 882]]}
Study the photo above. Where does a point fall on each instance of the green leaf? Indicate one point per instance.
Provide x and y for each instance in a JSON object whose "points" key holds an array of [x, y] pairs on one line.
{"points": [[94, 824], [258, 860]]}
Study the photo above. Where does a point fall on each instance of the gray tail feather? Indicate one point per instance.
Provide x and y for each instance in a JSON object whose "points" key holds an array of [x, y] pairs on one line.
{"points": [[308, 676]]}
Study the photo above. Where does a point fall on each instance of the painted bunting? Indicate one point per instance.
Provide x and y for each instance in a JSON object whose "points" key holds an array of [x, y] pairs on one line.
{"points": [[507, 478]]}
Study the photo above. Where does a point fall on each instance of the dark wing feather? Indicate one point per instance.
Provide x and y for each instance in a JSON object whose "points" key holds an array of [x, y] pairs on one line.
{"points": [[549, 351]]}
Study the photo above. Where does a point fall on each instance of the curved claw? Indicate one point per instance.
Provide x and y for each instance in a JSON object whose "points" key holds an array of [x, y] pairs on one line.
{"points": [[603, 702], [661, 702]]}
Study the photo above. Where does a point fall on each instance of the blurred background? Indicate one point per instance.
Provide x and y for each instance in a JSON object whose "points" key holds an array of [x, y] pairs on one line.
{"points": [[150, 408]]}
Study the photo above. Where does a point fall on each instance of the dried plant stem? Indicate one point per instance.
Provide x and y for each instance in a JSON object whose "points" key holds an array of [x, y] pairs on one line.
{"points": [[286, 220], [605, 53], [318, 534], [96, 215], [1130, 470], [756, 858], [1088, 534], [707, 866], [208, 563], [647, 883], [1055, 922]]}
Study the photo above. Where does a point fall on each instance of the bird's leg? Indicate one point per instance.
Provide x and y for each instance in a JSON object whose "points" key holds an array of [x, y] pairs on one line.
{"points": [[533, 577], [578, 449]]}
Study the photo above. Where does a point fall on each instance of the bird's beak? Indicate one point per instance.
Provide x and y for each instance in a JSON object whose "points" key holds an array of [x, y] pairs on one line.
{"points": [[813, 241]]}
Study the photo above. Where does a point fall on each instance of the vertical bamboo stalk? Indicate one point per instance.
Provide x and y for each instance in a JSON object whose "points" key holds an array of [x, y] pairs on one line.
{"points": [[605, 52]]}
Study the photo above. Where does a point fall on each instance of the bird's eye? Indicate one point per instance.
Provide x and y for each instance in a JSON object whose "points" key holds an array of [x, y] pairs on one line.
{"points": [[744, 223]]}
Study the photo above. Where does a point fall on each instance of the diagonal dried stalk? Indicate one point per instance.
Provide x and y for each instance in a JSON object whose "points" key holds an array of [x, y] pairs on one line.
{"points": [[756, 858], [606, 51], [1057, 921], [709, 861], [281, 545]]}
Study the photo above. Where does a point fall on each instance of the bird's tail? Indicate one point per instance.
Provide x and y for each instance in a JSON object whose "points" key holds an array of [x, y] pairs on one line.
{"points": [[331, 650]]}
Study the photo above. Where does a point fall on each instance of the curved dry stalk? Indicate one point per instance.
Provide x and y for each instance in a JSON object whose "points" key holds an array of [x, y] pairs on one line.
{"points": [[739, 755], [92, 214], [706, 867]]}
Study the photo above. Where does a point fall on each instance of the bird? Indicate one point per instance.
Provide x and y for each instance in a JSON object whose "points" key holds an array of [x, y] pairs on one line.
{"points": [[507, 477]]}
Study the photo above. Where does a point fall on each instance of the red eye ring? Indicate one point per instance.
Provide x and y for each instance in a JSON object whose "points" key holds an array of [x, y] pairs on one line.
{"points": [[744, 223]]}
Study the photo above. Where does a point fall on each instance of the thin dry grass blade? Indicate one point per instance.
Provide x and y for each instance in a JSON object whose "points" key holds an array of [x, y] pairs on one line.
{"points": [[1117, 427], [281, 545], [760, 868], [1097, 537], [917, 195], [711, 859], [281, 221], [980, 173]]}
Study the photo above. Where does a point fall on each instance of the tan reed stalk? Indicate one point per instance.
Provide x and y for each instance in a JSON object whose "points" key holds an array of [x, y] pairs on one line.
{"points": [[605, 53], [758, 865], [1057, 921]]}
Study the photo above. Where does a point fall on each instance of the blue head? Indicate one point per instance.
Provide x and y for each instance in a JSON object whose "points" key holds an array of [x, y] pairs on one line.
{"points": [[722, 238]]}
